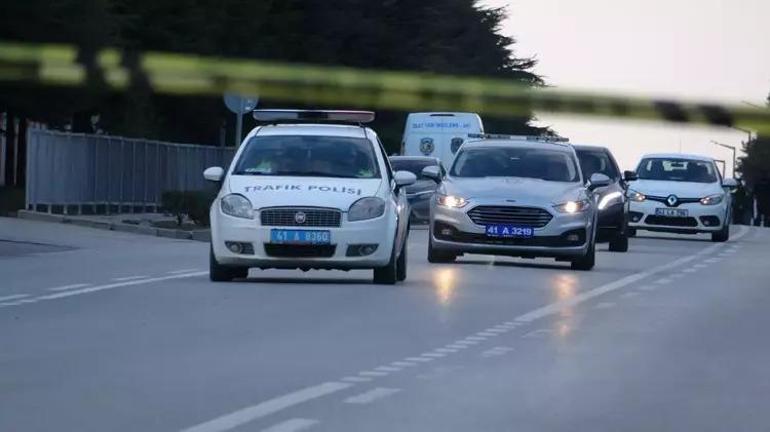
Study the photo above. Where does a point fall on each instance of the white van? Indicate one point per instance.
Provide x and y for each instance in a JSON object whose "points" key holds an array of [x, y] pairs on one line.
{"points": [[438, 134]]}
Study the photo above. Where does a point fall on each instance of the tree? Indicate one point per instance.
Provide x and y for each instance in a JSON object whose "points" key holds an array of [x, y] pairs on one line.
{"points": [[755, 169]]}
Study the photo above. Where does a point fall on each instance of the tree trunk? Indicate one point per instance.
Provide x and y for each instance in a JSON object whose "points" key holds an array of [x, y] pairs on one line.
{"points": [[10, 146], [21, 166]]}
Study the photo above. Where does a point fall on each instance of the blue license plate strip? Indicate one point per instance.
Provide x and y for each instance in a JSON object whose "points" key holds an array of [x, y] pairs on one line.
{"points": [[281, 236], [509, 231]]}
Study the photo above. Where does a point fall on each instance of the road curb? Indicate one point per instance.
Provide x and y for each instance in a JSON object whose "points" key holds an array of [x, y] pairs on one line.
{"points": [[201, 236]]}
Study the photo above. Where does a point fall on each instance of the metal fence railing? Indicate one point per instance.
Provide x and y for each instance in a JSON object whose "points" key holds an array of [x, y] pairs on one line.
{"points": [[80, 173]]}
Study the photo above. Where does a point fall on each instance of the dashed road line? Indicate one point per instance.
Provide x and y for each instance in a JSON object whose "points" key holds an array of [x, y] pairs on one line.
{"points": [[89, 290], [711, 260], [700, 265], [433, 354], [373, 374], [403, 364], [496, 351], [128, 278], [419, 359], [68, 287], [184, 271], [371, 395], [13, 297], [387, 369], [292, 425], [445, 350], [262, 409], [690, 270], [537, 333], [355, 379]]}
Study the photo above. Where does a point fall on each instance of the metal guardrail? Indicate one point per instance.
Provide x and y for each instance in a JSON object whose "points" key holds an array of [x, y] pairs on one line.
{"points": [[83, 174]]}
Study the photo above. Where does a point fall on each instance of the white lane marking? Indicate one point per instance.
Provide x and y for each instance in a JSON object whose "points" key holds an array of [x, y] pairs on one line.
{"points": [[184, 271], [387, 369], [373, 374], [433, 354], [292, 425], [469, 342], [457, 346], [498, 331], [537, 333], [700, 265], [20, 302], [486, 334], [629, 294], [445, 350], [418, 359], [355, 379], [371, 395], [663, 281], [251, 413], [403, 364], [117, 285], [555, 308], [604, 305], [475, 338], [690, 270], [68, 287], [128, 278], [13, 297], [711, 260], [496, 351]]}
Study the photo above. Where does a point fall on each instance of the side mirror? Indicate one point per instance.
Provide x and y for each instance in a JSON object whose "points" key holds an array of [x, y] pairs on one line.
{"points": [[404, 178], [432, 172], [630, 176], [598, 180], [214, 174], [730, 183]]}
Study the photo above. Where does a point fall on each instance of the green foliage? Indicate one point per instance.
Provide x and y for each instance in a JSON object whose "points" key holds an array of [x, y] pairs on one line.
{"points": [[442, 36], [193, 204]]}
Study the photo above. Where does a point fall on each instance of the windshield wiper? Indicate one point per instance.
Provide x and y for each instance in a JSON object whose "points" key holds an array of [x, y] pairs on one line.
{"points": [[254, 173]]}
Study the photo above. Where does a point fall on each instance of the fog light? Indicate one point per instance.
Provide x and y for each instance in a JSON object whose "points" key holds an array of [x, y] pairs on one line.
{"points": [[234, 247], [706, 222], [368, 249], [573, 238], [446, 231]]}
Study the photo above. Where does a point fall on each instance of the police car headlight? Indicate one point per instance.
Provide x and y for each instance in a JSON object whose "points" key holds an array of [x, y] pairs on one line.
{"points": [[366, 208], [712, 199], [237, 206], [572, 207], [609, 199]]}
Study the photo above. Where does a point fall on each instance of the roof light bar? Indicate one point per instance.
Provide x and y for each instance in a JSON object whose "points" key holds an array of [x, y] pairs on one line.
{"points": [[273, 115], [543, 138]]}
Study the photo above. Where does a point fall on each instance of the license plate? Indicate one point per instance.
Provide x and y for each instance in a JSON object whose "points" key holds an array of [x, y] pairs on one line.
{"points": [[300, 236], [509, 231], [671, 212]]}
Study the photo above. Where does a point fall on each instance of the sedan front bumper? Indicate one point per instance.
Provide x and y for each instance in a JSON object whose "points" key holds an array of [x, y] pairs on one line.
{"points": [[699, 219]]}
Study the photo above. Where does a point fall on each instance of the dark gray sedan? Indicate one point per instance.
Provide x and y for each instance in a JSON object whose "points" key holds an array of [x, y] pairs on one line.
{"points": [[419, 193]]}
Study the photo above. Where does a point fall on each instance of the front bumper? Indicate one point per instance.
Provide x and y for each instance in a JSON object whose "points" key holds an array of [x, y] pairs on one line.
{"points": [[453, 230], [379, 231], [700, 218]]}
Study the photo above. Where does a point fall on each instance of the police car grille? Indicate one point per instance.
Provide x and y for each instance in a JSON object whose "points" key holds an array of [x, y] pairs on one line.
{"points": [[509, 215], [314, 217]]}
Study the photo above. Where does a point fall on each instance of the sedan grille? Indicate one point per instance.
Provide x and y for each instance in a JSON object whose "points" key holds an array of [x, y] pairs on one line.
{"points": [[509, 215], [300, 217]]}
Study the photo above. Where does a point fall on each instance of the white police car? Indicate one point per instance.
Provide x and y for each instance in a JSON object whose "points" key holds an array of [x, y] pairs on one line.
{"points": [[301, 194]]}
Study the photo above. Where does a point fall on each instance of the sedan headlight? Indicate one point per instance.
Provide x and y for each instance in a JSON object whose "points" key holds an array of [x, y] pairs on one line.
{"points": [[636, 196], [712, 199], [451, 201], [572, 207], [237, 206], [366, 208], [609, 199]]}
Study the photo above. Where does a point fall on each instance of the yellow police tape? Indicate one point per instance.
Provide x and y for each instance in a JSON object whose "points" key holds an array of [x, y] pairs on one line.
{"points": [[318, 85]]}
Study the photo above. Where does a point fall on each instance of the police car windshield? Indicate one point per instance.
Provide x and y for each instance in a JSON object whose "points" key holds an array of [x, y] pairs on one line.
{"points": [[308, 156], [550, 165], [681, 170]]}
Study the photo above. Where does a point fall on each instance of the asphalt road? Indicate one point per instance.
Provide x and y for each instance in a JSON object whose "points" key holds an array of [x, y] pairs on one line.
{"points": [[104, 331]]}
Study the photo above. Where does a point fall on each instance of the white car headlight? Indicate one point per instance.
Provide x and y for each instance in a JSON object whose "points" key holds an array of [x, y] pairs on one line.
{"points": [[712, 199], [237, 206], [572, 207], [636, 196], [451, 201], [366, 208], [609, 199]]}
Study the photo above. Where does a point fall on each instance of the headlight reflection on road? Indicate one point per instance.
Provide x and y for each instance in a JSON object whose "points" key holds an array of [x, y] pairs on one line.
{"points": [[444, 282], [565, 288]]}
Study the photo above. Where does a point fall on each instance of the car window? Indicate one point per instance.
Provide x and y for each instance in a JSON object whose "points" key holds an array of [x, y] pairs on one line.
{"points": [[551, 165], [597, 161], [312, 156], [415, 166], [673, 169]]}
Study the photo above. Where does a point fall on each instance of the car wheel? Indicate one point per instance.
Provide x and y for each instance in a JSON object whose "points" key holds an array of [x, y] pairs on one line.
{"points": [[387, 274], [221, 273], [401, 264], [722, 235], [631, 232], [619, 242], [437, 256], [587, 261]]}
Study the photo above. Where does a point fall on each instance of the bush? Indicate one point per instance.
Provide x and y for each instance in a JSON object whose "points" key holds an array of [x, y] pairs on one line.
{"points": [[193, 204]]}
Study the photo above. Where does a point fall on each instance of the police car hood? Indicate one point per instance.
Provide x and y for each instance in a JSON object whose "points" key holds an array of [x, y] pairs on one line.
{"points": [[272, 191], [680, 189], [522, 190]]}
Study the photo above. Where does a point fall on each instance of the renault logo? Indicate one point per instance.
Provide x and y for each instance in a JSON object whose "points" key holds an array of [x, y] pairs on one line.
{"points": [[300, 217], [672, 200]]}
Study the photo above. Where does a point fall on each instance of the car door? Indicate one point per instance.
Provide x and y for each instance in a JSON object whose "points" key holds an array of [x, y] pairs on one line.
{"points": [[398, 195]]}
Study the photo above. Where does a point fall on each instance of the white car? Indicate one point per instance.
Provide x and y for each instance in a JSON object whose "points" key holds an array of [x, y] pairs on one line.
{"points": [[306, 195], [681, 194]]}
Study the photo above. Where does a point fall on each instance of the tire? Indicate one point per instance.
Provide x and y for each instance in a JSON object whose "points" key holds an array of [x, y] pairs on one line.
{"points": [[722, 235], [387, 274], [437, 256], [619, 242], [221, 273], [587, 261], [631, 232], [401, 264]]}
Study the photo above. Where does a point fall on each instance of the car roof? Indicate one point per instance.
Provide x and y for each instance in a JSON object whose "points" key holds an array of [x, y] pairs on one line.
{"points": [[678, 156], [501, 143], [314, 129], [590, 147]]}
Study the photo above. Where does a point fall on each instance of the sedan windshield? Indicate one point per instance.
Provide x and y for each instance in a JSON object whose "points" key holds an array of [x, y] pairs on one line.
{"points": [[680, 170], [309, 156], [535, 163]]}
